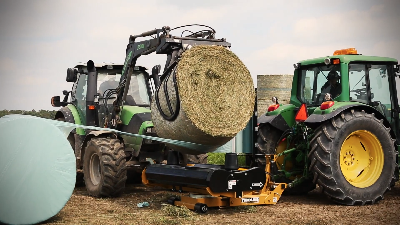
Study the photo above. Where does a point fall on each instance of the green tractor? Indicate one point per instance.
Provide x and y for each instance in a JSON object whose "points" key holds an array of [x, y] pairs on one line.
{"points": [[118, 97], [102, 158], [340, 130]]}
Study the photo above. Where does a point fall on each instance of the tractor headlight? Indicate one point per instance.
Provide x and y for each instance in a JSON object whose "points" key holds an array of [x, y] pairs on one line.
{"points": [[150, 130]]}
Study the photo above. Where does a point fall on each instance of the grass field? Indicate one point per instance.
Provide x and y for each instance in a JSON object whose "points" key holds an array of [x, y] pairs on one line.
{"points": [[313, 208]]}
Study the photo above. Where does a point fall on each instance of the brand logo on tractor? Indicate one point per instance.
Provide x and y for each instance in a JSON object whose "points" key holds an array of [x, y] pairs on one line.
{"points": [[126, 61], [140, 46]]}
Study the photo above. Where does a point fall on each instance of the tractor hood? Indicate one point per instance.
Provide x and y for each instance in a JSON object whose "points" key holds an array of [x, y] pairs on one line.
{"points": [[130, 111]]}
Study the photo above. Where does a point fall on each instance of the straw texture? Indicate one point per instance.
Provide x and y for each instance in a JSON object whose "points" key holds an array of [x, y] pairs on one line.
{"points": [[216, 94]]}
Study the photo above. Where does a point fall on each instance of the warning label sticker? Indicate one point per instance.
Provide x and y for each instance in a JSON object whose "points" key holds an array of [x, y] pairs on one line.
{"points": [[257, 184], [231, 183], [250, 200]]}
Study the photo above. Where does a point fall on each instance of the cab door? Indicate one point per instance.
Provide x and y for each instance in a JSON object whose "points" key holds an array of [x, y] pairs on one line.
{"points": [[374, 84]]}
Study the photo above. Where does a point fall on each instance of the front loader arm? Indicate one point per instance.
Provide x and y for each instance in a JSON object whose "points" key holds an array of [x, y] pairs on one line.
{"points": [[133, 51], [136, 49], [161, 43]]}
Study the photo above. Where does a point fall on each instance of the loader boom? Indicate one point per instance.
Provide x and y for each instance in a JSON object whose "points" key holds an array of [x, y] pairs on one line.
{"points": [[162, 43]]}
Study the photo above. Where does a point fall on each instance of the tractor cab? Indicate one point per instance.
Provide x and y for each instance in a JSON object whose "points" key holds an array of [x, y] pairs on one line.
{"points": [[108, 79], [347, 76]]}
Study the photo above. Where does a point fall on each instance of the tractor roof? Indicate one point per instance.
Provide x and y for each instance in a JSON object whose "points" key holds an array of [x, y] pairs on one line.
{"points": [[348, 59], [348, 55], [105, 65], [101, 65]]}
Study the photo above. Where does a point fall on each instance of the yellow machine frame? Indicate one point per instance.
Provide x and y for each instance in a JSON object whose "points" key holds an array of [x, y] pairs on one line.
{"points": [[269, 194]]}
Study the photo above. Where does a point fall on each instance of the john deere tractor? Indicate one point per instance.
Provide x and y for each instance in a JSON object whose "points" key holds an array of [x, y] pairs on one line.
{"points": [[340, 130], [118, 97]]}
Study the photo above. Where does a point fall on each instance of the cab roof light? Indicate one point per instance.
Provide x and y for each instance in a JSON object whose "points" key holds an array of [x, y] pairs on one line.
{"points": [[347, 51], [328, 61], [302, 114]]}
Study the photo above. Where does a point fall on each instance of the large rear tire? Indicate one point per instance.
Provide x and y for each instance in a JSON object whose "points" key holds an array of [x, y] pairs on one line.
{"points": [[269, 141], [104, 167], [353, 158]]}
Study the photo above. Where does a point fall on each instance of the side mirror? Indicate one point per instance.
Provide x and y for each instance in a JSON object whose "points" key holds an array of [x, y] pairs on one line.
{"points": [[397, 68], [66, 94], [55, 102], [72, 75]]}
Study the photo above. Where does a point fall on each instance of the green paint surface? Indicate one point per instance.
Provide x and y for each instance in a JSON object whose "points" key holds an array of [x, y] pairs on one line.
{"points": [[348, 58], [129, 111], [77, 119], [136, 142], [334, 107], [287, 112]]}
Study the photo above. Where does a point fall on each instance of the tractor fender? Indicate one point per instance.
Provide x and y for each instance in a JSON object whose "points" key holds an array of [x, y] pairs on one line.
{"points": [[66, 113], [276, 121], [314, 120]]}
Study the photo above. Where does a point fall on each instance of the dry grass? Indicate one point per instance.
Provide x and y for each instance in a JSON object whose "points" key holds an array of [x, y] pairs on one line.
{"points": [[216, 90], [217, 99], [313, 208]]}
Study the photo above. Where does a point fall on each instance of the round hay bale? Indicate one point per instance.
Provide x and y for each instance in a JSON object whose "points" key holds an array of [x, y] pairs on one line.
{"points": [[216, 96]]}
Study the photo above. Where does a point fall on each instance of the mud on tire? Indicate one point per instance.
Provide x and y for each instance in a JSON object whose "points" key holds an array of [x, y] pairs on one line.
{"points": [[104, 167], [327, 151]]}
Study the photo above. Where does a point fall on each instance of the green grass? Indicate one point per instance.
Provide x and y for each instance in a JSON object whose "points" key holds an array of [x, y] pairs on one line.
{"points": [[177, 211], [219, 159]]}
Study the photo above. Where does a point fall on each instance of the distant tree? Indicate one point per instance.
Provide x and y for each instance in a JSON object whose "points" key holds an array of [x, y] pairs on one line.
{"points": [[47, 114]]}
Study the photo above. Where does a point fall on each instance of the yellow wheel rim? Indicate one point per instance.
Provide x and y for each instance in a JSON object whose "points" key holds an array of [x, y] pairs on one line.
{"points": [[282, 146], [361, 158]]}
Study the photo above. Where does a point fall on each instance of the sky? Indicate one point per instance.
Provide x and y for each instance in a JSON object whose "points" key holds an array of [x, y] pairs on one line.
{"points": [[39, 40]]}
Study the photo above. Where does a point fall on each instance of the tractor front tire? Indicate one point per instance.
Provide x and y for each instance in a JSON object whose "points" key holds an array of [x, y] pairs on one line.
{"points": [[70, 137], [352, 158], [268, 141], [104, 167]]}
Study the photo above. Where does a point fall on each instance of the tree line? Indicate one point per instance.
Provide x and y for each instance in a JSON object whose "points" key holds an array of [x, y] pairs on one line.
{"points": [[48, 114]]}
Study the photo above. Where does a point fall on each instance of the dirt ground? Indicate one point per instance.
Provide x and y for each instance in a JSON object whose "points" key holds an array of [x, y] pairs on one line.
{"points": [[313, 208]]}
